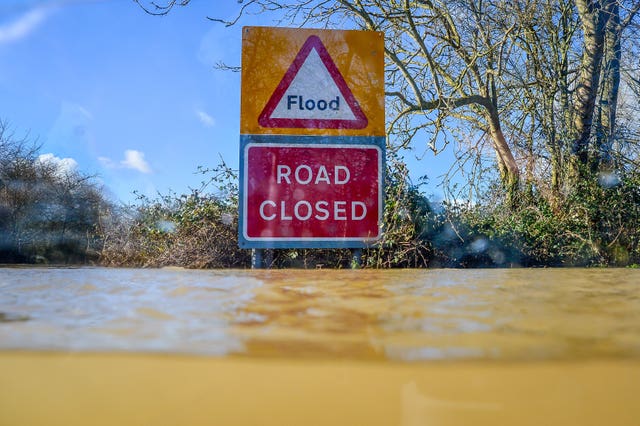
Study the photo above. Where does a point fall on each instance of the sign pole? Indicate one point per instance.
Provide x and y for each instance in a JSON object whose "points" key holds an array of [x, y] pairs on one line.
{"points": [[257, 259]]}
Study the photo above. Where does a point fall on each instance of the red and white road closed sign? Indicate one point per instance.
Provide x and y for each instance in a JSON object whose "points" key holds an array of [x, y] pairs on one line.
{"points": [[306, 193]]}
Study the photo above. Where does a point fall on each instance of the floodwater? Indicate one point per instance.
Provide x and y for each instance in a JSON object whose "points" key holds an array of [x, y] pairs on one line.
{"points": [[407, 347]]}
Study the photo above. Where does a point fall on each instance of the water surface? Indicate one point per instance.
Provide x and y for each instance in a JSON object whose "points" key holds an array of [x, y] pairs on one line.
{"points": [[408, 347], [403, 315]]}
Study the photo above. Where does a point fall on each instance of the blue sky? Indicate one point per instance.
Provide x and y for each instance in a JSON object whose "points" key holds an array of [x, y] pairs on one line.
{"points": [[133, 98]]}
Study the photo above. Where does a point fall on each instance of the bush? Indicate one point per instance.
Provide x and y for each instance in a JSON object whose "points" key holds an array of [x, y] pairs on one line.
{"points": [[48, 213], [199, 230], [196, 230], [596, 224]]}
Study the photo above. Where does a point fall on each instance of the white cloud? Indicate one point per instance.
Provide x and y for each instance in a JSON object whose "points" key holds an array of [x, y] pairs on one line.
{"points": [[135, 160], [205, 118], [63, 166], [23, 25]]}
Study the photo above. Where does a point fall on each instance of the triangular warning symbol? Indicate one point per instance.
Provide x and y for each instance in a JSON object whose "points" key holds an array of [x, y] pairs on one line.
{"points": [[313, 94]]}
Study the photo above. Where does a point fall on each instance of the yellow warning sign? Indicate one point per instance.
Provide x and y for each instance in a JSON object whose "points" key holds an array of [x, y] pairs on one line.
{"points": [[312, 82]]}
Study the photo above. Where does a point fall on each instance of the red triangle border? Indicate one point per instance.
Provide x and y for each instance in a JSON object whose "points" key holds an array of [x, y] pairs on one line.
{"points": [[313, 42]]}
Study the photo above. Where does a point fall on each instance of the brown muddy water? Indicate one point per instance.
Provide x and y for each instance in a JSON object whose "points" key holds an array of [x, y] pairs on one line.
{"points": [[408, 347]]}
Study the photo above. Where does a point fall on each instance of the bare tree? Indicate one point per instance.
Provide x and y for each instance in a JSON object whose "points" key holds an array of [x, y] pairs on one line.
{"points": [[539, 78], [446, 60]]}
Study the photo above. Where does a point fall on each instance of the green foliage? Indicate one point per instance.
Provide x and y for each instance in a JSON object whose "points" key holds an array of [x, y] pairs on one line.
{"points": [[408, 223], [596, 224]]}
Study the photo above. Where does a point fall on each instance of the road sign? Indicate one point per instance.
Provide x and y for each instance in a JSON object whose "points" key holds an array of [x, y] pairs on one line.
{"points": [[312, 82], [313, 94], [308, 192], [312, 138]]}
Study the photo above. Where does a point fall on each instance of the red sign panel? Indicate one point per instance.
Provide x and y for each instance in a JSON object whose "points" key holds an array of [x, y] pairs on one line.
{"points": [[312, 192]]}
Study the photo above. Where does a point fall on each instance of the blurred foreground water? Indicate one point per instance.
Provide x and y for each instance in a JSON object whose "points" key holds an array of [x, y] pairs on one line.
{"points": [[172, 346]]}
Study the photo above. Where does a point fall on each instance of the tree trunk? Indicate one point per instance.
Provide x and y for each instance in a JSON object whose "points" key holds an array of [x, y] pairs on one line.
{"points": [[594, 16], [609, 94], [509, 172]]}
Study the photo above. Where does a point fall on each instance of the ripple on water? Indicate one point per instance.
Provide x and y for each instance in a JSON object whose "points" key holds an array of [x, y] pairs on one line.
{"points": [[404, 315]]}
